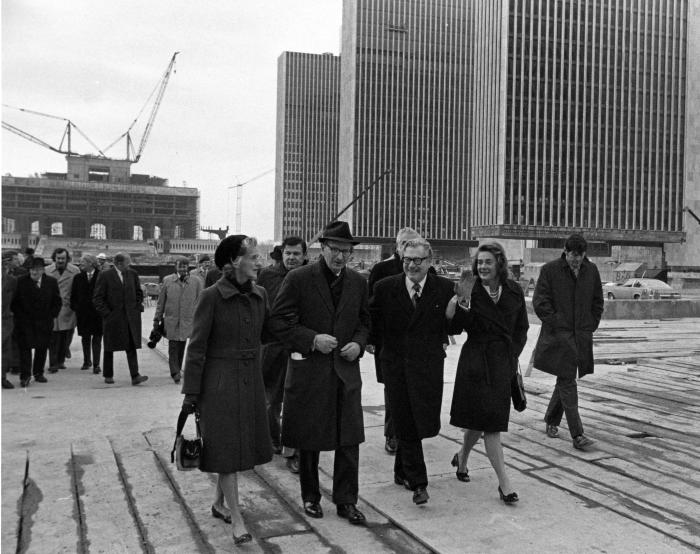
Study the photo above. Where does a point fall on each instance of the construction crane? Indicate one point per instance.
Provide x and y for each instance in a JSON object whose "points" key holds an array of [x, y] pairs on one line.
{"points": [[239, 198], [131, 155]]}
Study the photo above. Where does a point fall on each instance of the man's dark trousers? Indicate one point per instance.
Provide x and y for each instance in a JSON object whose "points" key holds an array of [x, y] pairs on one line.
{"points": [[410, 464], [565, 400], [27, 368], [58, 346], [346, 466], [176, 352], [94, 343], [131, 359]]}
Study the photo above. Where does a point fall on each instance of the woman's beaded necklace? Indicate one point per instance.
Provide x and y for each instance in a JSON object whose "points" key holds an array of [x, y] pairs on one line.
{"points": [[494, 294]]}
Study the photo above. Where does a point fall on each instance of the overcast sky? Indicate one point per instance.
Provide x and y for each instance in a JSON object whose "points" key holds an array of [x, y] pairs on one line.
{"points": [[96, 62]]}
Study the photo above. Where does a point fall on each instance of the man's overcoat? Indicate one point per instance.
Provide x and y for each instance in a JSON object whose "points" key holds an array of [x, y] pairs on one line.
{"points": [[176, 302], [66, 319], [313, 399], [120, 305], [89, 321], [34, 310], [570, 309], [412, 356]]}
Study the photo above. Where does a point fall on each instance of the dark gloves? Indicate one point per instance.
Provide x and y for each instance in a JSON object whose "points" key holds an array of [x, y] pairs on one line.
{"points": [[190, 402]]}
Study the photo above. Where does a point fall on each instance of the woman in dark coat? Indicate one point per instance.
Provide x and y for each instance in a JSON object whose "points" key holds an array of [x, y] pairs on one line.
{"points": [[223, 379], [495, 318]]}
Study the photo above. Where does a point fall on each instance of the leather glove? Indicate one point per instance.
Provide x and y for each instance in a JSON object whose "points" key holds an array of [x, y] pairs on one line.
{"points": [[190, 402]]}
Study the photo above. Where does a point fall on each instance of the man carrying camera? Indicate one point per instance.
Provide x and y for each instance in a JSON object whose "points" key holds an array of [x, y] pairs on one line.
{"points": [[178, 295]]}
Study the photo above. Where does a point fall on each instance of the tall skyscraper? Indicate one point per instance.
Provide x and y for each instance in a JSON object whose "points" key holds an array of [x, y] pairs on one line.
{"points": [[579, 113], [404, 107], [306, 179]]}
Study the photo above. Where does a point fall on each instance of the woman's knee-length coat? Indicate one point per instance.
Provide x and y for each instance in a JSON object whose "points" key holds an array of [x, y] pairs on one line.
{"points": [[497, 333], [223, 368]]}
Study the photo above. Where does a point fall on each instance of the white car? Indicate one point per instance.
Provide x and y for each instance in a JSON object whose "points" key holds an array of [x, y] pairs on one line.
{"points": [[636, 289]]}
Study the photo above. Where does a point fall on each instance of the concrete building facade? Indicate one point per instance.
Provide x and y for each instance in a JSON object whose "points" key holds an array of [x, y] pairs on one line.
{"points": [[579, 119], [405, 75], [306, 174]]}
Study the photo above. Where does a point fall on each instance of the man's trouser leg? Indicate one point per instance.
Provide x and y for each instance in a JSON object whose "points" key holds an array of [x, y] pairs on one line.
{"points": [[346, 464], [308, 475], [176, 351], [565, 401], [57, 349], [410, 464], [86, 342], [96, 350], [108, 365]]}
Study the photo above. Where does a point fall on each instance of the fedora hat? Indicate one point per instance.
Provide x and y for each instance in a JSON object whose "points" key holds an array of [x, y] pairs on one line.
{"points": [[338, 231]]}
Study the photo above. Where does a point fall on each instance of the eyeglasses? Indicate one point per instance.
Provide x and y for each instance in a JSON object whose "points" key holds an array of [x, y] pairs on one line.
{"points": [[417, 261], [336, 251]]}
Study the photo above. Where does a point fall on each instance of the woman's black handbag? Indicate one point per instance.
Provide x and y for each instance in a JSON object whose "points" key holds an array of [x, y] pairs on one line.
{"points": [[517, 391], [186, 453]]}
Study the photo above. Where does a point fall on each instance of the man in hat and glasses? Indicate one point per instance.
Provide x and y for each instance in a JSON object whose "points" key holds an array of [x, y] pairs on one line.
{"points": [[321, 316]]}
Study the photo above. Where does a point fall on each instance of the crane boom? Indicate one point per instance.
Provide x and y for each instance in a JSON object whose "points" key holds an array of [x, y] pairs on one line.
{"points": [[156, 105], [32, 138]]}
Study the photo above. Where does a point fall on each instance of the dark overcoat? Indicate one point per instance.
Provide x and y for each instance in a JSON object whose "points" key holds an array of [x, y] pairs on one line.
{"points": [[120, 305], [570, 309], [89, 321], [274, 354], [313, 397], [496, 335], [34, 310], [381, 270], [223, 368], [412, 356]]}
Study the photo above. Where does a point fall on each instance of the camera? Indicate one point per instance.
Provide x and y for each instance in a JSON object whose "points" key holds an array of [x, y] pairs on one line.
{"points": [[156, 334]]}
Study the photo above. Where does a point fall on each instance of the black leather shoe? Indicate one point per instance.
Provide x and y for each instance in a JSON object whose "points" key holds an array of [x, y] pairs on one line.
{"points": [[508, 498], [313, 509], [139, 379], [218, 514], [85, 366], [420, 496], [351, 513], [390, 445], [401, 482], [461, 475], [109, 380], [293, 464], [53, 369], [96, 370], [40, 379]]}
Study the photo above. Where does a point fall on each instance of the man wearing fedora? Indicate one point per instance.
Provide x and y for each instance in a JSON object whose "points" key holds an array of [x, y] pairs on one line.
{"points": [[321, 316]]}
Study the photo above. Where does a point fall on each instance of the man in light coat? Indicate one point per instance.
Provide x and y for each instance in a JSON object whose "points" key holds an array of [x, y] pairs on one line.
{"points": [[118, 298], [176, 301], [569, 300], [64, 272], [321, 316]]}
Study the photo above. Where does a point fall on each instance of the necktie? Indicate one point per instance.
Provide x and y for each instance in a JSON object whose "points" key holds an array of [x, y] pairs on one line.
{"points": [[416, 294]]}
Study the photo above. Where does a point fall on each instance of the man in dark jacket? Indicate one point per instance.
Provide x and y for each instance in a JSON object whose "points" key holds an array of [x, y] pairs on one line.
{"points": [[9, 289], [88, 320], [274, 364], [408, 319], [321, 316], [569, 300], [386, 268], [118, 299], [35, 306]]}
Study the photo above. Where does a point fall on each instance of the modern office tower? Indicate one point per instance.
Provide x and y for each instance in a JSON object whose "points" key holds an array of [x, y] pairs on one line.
{"points": [[579, 123], [306, 177], [404, 107]]}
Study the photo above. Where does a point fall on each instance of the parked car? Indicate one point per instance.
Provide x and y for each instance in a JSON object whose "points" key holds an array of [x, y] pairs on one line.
{"points": [[636, 289]]}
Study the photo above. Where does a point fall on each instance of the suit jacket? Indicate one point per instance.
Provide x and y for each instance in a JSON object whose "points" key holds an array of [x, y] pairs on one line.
{"points": [[66, 319], [34, 310], [412, 354], [303, 309], [89, 321], [120, 305]]}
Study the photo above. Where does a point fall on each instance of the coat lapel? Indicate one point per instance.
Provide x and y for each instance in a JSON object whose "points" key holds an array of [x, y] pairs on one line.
{"points": [[321, 284], [401, 296]]}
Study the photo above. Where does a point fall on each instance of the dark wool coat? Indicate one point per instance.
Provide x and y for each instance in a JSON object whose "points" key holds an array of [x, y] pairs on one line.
{"points": [[412, 356], [570, 310], [274, 356], [120, 306], [496, 335], [314, 398], [89, 321], [34, 310], [223, 368]]}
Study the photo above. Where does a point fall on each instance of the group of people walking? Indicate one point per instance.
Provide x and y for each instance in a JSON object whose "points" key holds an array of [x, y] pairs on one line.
{"points": [[319, 318], [43, 305]]}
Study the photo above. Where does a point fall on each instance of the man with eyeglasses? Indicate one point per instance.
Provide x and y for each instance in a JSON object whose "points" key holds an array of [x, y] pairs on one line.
{"points": [[387, 268], [408, 320], [321, 316]]}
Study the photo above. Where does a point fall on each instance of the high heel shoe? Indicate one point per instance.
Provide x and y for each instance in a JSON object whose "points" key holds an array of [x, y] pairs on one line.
{"points": [[508, 498], [244, 538], [461, 475], [220, 515]]}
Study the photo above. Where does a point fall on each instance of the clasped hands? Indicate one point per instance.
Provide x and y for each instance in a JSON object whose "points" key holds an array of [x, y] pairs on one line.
{"points": [[325, 344]]}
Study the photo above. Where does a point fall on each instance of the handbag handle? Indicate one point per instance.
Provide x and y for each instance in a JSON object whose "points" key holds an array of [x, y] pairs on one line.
{"points": [[181, 420]]}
